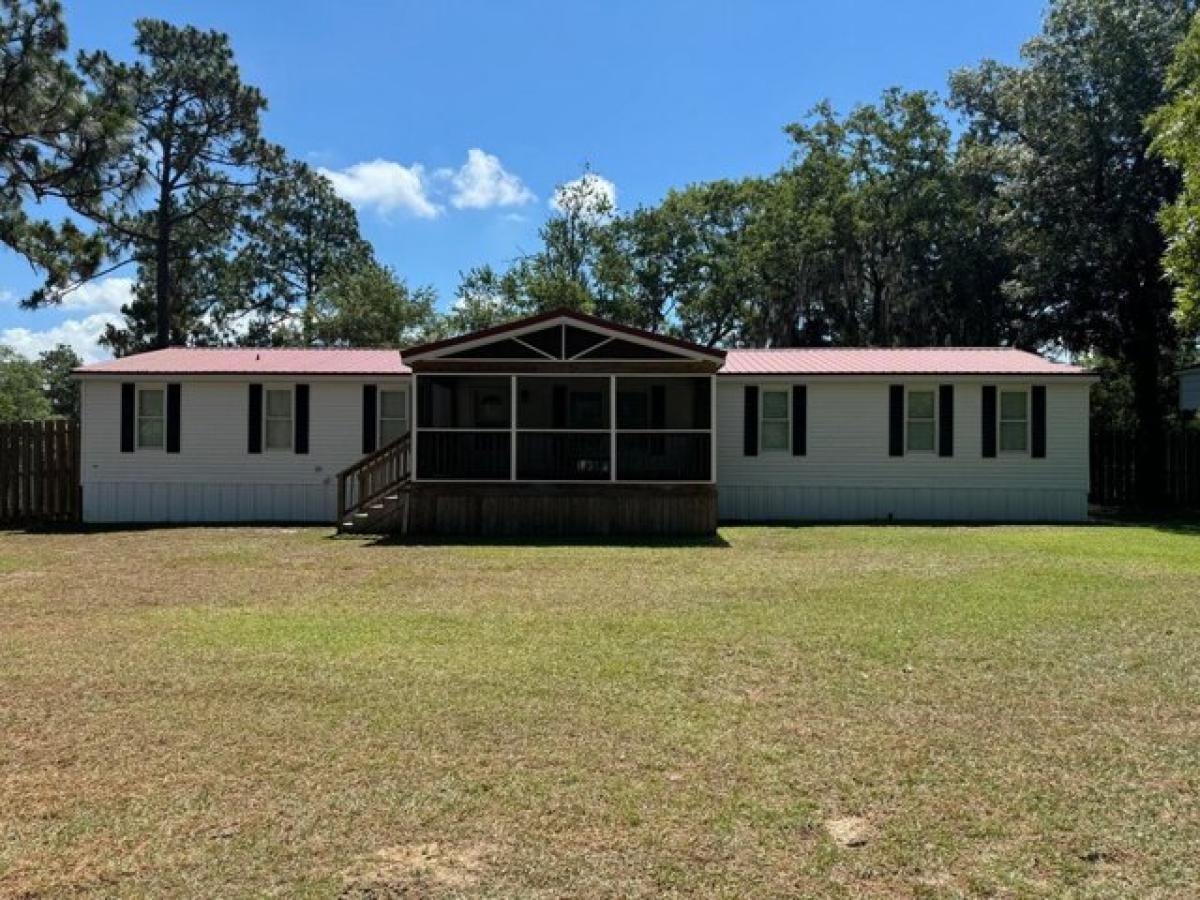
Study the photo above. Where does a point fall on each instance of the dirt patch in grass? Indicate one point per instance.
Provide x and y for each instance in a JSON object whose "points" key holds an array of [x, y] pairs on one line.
{"points": [[849, 831], [413, 869]]}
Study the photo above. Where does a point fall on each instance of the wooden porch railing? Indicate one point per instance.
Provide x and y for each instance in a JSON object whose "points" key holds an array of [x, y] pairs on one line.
{"points": [[373, 476]]}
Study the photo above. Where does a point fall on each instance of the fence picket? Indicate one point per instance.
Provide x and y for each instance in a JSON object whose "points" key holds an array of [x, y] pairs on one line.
{"points": [[1114, 475], [39, 471]]}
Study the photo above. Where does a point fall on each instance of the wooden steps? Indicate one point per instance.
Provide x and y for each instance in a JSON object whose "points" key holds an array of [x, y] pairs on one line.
{"points": [[373, 494], [387, 515]]}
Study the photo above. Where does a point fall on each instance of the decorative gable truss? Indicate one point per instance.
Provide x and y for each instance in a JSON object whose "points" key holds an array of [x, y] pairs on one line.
{"points": [[563, 336]]}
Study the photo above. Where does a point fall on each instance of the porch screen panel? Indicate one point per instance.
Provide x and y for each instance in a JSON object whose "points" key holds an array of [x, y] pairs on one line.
{"points": [[562, 456], [664, 429], [563, 429], [464, 424], [464, 455], [464, 401], [663, 404], [663, 457], [547, 403]]}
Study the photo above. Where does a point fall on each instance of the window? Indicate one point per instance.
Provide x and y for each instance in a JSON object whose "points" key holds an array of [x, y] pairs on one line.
{"points": [[151, 417], [279, 419], [776, 433], [1014, 421], [393, 415], [922, 427]]}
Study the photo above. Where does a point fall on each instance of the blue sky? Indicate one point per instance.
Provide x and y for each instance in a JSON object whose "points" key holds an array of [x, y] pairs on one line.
{"points": [[449, 124]]}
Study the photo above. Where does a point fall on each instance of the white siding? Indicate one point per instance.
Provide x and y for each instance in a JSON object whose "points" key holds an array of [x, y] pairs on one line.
{"points": [[213, 478], [848, 474], [1189, 390]]}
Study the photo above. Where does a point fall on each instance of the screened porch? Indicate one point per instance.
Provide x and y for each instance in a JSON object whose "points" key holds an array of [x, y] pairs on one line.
{"points": [[557, 428]]}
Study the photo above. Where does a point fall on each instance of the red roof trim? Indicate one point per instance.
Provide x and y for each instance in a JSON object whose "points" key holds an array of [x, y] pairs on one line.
{"points": [[264, 362], [881, 362], [561, 312], [796, 362]]}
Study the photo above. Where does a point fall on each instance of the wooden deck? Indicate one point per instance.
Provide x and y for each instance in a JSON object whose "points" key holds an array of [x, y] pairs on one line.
{"points": [[562, 510]]}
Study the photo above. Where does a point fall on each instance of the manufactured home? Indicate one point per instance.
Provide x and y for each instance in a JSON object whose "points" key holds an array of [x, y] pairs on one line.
{"points": [[566, 423]]}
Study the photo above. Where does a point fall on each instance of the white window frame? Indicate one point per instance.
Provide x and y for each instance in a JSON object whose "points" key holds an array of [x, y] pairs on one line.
{"points": [[908, 419], [763, 390], [1000, 420], [380, 418], [266, 415], [138, 417]]}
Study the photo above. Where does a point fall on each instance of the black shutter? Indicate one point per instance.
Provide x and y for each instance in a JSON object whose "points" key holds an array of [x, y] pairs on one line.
{"points": [[658, 406], [301, 441], [254, 422], [750, 421], [946, 420], [128, 399], [369, 419], [989, 420], [1037, 427], [173, 410], [896, 420], [799, 419]]}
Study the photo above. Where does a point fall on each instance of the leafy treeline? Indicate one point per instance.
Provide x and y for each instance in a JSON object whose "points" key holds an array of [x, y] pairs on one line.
{"points": [[38, 388], [160, 164], [1050, 204], [881, 230]]}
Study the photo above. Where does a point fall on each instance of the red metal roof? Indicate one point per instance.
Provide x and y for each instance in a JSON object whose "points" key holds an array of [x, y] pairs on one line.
{"points": [[901, 361], [790, 361], [250, 361]]}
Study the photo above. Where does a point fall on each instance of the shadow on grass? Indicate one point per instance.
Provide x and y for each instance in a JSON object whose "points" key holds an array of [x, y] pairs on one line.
{"points": [[1184, 521], [1174, 521]]}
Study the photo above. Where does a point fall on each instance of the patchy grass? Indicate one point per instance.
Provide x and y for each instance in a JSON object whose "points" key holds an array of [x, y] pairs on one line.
{"points": [[847, 711]]}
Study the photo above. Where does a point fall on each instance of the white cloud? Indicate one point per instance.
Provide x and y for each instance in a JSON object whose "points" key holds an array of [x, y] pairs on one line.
{"points": [[385, 186], [106, 295], [482, 182], [96, 303], [590, 195], [81, 334]]}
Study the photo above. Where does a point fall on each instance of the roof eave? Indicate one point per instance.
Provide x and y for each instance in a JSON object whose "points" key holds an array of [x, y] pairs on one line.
{"points": [[110, 375], [915, 373]]}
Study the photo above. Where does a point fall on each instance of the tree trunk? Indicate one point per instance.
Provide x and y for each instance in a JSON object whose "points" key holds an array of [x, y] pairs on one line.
{"points": [[877, 318], [1144, 355], [162, 253]]}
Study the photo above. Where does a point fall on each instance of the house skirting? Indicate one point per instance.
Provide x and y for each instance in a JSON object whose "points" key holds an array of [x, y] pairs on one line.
{"points": [[174, 502], [552, 510], [781, 503]]}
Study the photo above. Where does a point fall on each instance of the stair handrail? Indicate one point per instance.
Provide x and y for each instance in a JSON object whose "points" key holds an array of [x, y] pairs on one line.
{"points": [[373, 476]]}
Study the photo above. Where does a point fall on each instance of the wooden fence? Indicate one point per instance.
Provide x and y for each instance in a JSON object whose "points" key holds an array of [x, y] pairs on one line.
{"points": [[1114, 476], [39, 472]]}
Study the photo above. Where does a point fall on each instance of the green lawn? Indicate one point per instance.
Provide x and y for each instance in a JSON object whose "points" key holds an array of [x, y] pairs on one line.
{"points": [[249, 712]]}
